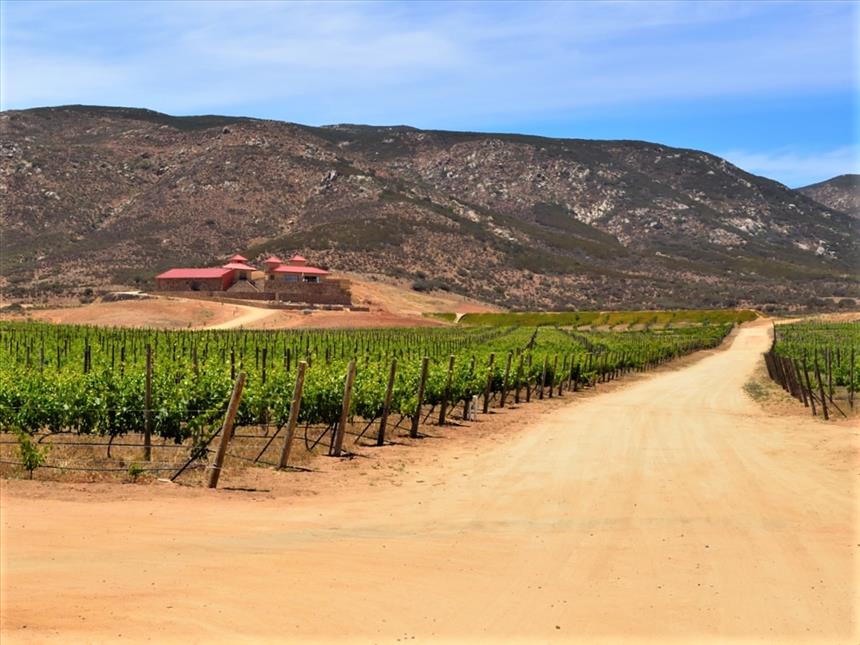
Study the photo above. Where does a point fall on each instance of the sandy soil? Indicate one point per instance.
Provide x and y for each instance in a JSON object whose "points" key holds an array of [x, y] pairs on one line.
{"points": [[673, 508], [391, 304], [398, 297], [162, 313], [181, 313]]}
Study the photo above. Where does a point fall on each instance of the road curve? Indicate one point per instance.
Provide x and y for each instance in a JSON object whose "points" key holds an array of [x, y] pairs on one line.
{"points": [[671, 509], [244, 316]]}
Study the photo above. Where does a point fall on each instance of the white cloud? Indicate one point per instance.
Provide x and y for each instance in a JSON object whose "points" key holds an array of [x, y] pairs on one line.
{"points": [[389, 62], [795, 168]]}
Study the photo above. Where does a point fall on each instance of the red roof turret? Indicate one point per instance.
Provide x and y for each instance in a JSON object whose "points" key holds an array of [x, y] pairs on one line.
{"points": [[273, 260], [298, 259], [238, 258]]}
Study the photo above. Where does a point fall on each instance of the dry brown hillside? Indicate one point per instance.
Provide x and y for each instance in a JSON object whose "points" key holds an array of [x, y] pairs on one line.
{"points": [[840, 193], [94, 197]]}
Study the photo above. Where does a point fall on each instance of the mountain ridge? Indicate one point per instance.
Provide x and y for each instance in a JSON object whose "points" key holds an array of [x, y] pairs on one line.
{"points": [[841, 193], [101, 196]]}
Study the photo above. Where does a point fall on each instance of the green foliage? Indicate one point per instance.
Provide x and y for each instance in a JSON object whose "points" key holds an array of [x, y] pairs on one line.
{"points": [[47, 384], [135, 471], [812, 343], [32, 455]]}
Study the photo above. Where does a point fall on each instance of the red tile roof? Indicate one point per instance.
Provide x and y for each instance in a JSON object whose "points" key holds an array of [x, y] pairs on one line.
{"points": [[297, 259], [239, 266], [307, 270], [273, 260], [238, 258], [186, 274]]}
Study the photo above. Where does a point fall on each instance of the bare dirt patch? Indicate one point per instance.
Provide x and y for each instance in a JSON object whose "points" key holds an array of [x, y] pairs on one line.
{"points": [[391, 305], [155, 312], [399, 297]]}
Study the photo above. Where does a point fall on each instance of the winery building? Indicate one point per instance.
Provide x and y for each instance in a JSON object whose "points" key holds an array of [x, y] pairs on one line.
{"points": [[294, 281]]}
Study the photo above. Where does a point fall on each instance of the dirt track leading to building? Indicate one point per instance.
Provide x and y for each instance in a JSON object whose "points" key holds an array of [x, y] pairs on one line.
{"points": [[244, 317], [670, 509]]}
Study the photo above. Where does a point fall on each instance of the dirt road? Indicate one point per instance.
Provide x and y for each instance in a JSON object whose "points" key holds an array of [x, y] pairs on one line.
{"points": [[672, 509], [244, 316]]}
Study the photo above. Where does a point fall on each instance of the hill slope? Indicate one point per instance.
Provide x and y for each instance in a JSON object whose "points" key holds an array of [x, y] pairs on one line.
{"points": [[99, 196], [841, 193]]}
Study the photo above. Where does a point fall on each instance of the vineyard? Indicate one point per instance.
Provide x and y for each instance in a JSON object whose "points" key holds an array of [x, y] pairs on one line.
{"points": [[816, 363], [175, 388], [610, 319]]}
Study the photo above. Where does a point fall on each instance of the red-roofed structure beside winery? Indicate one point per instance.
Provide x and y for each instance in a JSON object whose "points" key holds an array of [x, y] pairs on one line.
{"points": [[210, 279]]}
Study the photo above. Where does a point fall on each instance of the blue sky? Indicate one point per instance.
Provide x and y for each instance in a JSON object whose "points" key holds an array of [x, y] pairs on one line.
{"points": [[772, 86]]}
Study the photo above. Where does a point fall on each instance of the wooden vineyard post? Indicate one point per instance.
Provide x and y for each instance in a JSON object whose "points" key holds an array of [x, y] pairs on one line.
{"points": [[519, 378], [786, 374], [147, 407], [295, 404], [528, 378], [337, 439], [489, 384], [809, 387], [554, 375], [768, 362], [829, 375], [571, 381], [543, 377], [851, 381], [226, 432], [468, 399], [416, 418], [783, 377], [505, 379], [799, 380], [386, 404], [446, 395], [560, 377], [821, 390], [791, 365], [796, 390]]}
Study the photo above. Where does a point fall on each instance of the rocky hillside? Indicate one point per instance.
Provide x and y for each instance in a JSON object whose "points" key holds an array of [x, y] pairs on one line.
{"points": [[95, 197], [840, 193]]}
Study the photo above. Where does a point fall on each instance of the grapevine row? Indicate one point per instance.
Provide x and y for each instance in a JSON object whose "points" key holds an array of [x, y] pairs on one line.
{"points": [[90, 380]]}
